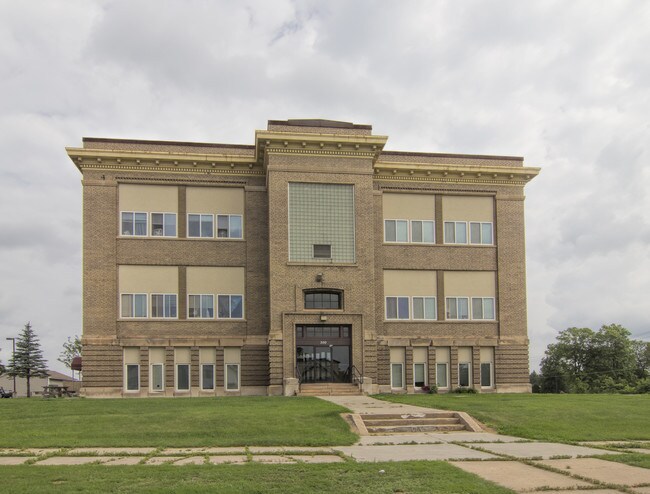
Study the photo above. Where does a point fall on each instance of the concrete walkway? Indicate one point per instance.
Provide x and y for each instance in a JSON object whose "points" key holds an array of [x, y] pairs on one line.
{"points": [[515, 463]]}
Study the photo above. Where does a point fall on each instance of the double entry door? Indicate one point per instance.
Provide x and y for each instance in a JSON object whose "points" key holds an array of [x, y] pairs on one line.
{"points": [[323, 353]]}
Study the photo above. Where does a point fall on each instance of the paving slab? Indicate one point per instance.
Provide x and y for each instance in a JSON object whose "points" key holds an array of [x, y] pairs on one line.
{"points": [[317, 458], [235, 459], [123, 460], [284, 449], [518, 476], [13, 452], [438, 437], [590, 491], [191, 460], [603, 470], [222, 450], [160, 460], [412, 452], [540, 450], [272, 459], [368, 405], [13, 460], [641, 490], [39, 451], [73, 460], [111, 451]]}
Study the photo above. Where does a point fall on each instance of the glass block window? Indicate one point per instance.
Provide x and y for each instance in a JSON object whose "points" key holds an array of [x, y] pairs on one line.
{"points": [[321, 214]]}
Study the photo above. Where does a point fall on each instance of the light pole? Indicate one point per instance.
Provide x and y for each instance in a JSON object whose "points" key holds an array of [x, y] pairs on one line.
{"points": [[13, 358]]}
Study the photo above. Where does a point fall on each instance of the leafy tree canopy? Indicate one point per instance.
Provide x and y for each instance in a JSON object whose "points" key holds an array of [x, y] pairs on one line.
{"points": [[71, 349]]}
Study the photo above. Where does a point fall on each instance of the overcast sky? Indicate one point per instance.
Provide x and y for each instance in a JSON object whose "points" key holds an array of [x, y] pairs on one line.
{"points": [[566, 84]]}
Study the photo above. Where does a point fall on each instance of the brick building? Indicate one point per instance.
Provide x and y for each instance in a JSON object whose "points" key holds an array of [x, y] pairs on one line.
{"points": [[311, 256]]}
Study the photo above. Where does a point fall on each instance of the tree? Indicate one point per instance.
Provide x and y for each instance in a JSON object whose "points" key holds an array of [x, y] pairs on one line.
{"points": [[28, 360], [71, 349]]}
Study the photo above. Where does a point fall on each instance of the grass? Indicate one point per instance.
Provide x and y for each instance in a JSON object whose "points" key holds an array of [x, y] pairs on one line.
{"points": [[563, 418], [232, 421], [634, 459], [403, 477]]}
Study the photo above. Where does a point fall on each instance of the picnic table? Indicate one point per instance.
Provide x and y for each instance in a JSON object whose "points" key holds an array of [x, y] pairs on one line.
{"points": [[55, 391]]}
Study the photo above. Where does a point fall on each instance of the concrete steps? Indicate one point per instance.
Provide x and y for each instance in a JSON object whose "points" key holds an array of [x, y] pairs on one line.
{"points": [[329, 389], [414, 422]]}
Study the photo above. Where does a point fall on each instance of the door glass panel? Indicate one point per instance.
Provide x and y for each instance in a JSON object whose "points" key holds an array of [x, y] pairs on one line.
{"points": [[341, 363]]}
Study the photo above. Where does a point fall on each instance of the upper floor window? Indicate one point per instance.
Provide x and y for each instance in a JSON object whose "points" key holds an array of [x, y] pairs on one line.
{"points": [[457, 308], [396, 230], [229, 226], [397, 308], [200, 225], [480, 233], [163, 224], [134, 224], [163, 305], [455, 232], [424, 308], [200, 306], [134, 305], [422, 231], [230, 306], [323, 300], [404, 231], [482, 308]]}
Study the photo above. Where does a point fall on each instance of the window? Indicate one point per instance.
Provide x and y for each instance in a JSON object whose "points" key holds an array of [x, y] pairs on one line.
{"points": [[229, 226], [422, 232], [480, 233], [232, 377], [200, 306], [457, 308], [134, 305], [207, 377], [157, 377], [230, 307], [442, 380], [482, 308], [163, 224], [163, 305], [419, 375], [397, 376], [322, 251], [200, 225], [132, 377], [486, 374], [455, 232], [182, 377], [424, 308], [396, 230], [464, 374], [323, 300], [134, 224], [397, 307]]}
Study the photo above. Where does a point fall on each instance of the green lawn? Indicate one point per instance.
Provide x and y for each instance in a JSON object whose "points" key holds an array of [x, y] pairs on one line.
{"points": [[403, 477], [566, 417], [634, 459], [232, 421]]}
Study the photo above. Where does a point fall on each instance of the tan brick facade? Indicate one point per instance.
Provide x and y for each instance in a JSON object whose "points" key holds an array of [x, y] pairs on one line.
{"points": [[258, 352]]}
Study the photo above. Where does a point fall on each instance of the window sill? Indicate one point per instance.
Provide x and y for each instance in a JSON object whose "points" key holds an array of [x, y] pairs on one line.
{"points": [[323, 263]]}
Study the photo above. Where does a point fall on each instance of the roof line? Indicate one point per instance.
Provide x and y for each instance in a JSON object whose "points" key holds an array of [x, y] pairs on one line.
{"points": [[171, 143], [451, 155]]}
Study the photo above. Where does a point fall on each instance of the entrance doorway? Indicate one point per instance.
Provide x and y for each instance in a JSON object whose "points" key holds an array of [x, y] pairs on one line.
{"points": [[323, 353]]}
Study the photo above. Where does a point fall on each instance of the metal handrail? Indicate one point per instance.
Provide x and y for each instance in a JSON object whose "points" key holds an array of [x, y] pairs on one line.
{"points": [[356, 375]]}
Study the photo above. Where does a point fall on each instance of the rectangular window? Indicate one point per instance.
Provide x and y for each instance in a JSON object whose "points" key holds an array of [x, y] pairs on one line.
{"points": [[132, 377], [396, 230], [442, 381], [230, 307], [134, 224], [424, 308], [422, 231], [455, 232], [486, 375], [232, 377], [207, 377], [134, 305], [200, 226], [480, 233], [397, 376], [419, 375], [163, 305], [183, 377], [229, 226], [463, 374], [200, 306], [322, 251], [397, 307], [483, 308], [457, 308], [163, 224], [157, 377]]}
